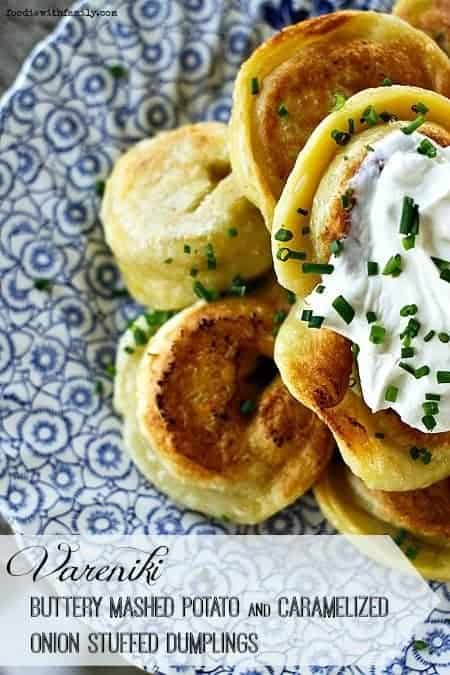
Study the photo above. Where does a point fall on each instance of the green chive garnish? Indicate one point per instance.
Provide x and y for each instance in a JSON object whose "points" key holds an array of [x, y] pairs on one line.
{"points": [[99, 387], [347, 200], [140, 336], [306, 314], [100, 188], [110, 370], [117, 71], [387, 82], [419, 108], [343, 308], [429, 336], [254, 86], [282, 110], [409, 242], [412, 329], [320, 289], [351, 126], [427, 148], [415, 124], [283, 235], [336, 247], [409, 369], [355, 349], [290, 297], [285, 253], [371, 317], [377, 334], [393, 266], [232, 232], [409, 220], [317, 268], [42, 284], [238, 287], [429, 422], [443, 337], [247, 407], [168, 261], [210, 257], [391, 394], [407, 352], [204, 293], [186, 248], [193, 272], [433, 397], [443, 376], [129, 350], [340, 137], [408, 310], [316, 321], [421, 372], [370, 116], [339, 101], [445, 275], [372, 268], [430, 408]]}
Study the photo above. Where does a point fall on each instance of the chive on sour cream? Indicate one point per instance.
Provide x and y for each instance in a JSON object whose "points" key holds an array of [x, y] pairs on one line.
{"points": [[390, 289]]}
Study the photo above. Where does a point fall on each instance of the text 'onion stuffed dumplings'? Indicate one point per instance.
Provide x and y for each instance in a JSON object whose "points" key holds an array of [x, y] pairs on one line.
{"points": [[207, 418], [174, 215]]}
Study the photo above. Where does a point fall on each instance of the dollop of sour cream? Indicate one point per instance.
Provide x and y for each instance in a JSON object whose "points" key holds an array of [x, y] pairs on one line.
{"points": [[392, 171]]}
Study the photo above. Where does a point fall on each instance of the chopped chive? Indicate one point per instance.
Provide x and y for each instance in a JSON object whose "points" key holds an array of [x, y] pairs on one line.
{"points": [[409, 219], [400, 537], [306, 314], [409, 242], [409, 369], [445, 275], [290, 297], [430, 408], [282, 110], [42, 284], [370, 116], [285, 253], [427, 148], [393, 266], [204, 293], [210, 257], [372, 268], [443, 376], [99, 387], [408, 310], [420, 453], [406, 341], [247, 407], [316, 321], [117, 71], [433, 397], [279, 317], [429, 422], [347, 200], [336, 247], [412, 329], [232, 232], [407, 352], [128, 350], [351, 126], [168, 261], [140, 336], [317, 268], [429, 336], [391, 394], [283, 235], [339, 101], [421, 372], [302, 212], [340, 137], [412, 552], [100, 188], [419, 108], [355, 349], [110, 370], [377, 334], [306, 230], [387, 82], [193, 272], [186, 248], [344, 309], [371, 317], [254, 86], [320, 288], [415, 124], [440, 263], [369, 148], [443, 337], [238, 287]]}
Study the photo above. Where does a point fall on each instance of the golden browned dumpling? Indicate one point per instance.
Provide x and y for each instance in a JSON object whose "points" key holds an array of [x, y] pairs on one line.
{"points": [[418, 521], [431, 16], [174, 215], [207, 418], [316, 364], [294, 79]]}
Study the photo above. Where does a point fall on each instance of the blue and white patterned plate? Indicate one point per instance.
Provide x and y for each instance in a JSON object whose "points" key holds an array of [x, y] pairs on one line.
{"points": [[62, 125]]}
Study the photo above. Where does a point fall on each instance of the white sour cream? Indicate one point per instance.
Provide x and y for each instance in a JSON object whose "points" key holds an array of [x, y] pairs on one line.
{"points": [[392, 171]]}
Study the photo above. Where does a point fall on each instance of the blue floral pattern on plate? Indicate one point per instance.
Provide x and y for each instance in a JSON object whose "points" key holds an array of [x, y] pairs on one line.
{"points": [[62, 125]]}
